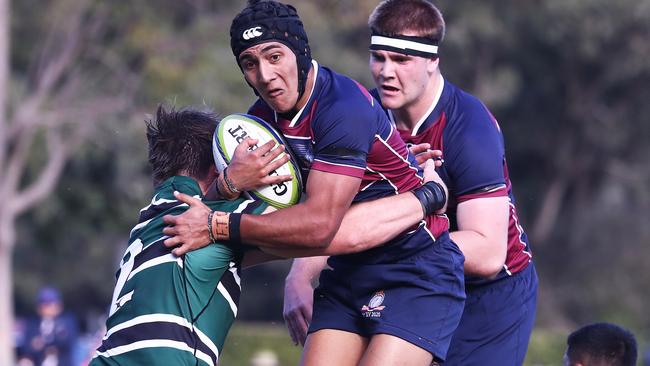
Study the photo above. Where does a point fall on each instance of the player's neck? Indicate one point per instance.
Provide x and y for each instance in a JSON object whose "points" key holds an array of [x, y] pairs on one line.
{"points": [[412, 113], [206, 184], [304, 98]]}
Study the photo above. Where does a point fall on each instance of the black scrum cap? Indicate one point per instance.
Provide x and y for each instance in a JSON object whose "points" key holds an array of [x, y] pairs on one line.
{"points": [[264, 21]]}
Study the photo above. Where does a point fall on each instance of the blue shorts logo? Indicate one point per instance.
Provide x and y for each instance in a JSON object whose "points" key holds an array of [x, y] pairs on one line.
{"points": [[374, 307]]}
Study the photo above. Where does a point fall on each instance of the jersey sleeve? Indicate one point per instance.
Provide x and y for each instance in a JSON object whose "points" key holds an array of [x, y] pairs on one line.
{"points": [[474, 154], [343, 135]]}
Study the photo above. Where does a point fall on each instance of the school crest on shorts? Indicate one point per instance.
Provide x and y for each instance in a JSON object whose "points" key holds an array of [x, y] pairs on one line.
{"points": [[374, 307]]}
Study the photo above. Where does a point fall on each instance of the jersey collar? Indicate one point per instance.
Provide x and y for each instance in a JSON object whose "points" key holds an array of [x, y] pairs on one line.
{"points": [[426, 114], [296, 118]]}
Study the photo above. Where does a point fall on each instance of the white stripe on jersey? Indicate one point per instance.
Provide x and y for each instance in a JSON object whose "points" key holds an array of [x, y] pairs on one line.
{"points": [[226, 296], [296, 118], [369, 185], [124, 299], [297, 137], [408, 164], [242, 206], [167, 318], [233, 269], [155, 343], [155, 202], [382, 177], [496, 188], [505, 268], [519, 228], [139, 226], [428, 232], [153, 262], [426, 114]]}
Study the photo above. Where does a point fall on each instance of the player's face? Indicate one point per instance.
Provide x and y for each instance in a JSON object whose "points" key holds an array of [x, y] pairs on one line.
{"points": [[271, 68], [401, 79]]}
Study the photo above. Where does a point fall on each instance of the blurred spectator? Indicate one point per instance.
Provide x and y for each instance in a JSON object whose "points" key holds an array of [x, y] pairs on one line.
{"points": [[601, 344], [49, 338]]}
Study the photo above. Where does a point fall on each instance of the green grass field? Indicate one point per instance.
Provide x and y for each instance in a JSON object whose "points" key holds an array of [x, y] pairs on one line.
{"points": [[246, 340]]}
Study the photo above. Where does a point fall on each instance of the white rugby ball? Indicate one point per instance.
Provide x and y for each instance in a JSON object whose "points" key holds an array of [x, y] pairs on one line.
{"points": [[232, 130]]}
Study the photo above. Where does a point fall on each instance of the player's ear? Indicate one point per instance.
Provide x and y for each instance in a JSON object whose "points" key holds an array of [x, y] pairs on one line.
{"points": [[432, 64]]}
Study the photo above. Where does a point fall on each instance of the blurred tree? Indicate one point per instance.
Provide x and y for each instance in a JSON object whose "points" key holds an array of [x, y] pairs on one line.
{"points": [[6, 273], [568, 82], [49, 112]]}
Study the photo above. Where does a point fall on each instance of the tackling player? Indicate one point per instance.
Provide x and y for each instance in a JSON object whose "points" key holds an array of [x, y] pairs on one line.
{"points": [[396, 303], [501, 282], [177, 310]]}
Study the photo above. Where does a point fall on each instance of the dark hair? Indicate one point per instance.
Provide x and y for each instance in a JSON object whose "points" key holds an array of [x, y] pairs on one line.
{"points": [[602, 342], [395, 17], [180, 142]]}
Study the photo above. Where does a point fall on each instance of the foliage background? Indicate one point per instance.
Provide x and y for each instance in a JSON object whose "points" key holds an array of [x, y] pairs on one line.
{"points": [[567, 79]]}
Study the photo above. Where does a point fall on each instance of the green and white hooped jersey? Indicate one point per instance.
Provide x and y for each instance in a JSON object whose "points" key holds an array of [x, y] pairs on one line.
{"points": [[169, 310]]}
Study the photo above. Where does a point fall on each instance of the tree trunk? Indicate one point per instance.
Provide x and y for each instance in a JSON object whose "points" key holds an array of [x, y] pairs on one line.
{"points": [[6, 305], [7, 237]]}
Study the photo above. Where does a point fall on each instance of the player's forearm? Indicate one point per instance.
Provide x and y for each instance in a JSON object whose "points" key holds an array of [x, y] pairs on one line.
{"points": [[370, 224], [310, 224], [299, 226], [367, 225]]}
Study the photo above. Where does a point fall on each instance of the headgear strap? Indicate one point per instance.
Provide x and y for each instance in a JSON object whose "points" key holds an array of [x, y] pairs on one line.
{"points": [[409, 45], [265, 21]]}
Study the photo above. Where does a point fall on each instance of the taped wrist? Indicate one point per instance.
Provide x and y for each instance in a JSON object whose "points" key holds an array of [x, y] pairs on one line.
{"points": [[228, 227], [432, 197]]}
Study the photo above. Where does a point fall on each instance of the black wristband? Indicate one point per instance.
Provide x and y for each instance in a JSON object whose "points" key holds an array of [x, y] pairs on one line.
{"points": [[432, 197], [234, 220]]}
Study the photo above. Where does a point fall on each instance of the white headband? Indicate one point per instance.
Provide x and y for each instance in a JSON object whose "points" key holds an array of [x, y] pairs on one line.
{"points": [[403, 44]]}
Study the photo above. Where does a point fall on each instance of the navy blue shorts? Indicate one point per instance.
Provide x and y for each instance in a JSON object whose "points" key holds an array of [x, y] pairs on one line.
{"points": [[497, 322], [418, 299]]}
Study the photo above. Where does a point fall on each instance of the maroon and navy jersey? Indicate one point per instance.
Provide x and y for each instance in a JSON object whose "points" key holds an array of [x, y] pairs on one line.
{"points": [[343, 130], [470, 138]]}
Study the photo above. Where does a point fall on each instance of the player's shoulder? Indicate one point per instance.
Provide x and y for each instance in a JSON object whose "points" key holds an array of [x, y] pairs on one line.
{"points": [[345, 92], [466, 111], [465, 101]]}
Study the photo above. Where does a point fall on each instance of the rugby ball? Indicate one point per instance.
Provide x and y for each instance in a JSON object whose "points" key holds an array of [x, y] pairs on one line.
{"points": [[232, 130]]}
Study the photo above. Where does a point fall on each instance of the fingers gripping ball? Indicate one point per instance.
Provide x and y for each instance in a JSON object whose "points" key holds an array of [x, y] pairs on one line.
{"points": [[232, 130]]}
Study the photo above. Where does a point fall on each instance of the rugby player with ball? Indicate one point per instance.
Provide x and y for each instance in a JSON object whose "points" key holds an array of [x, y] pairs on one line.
{"points": [[172, 309], [347, 152]]}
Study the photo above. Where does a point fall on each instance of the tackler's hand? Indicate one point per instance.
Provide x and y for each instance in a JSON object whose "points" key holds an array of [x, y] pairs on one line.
{"points": [[423, 152], [297, 312], [188, 231]]}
